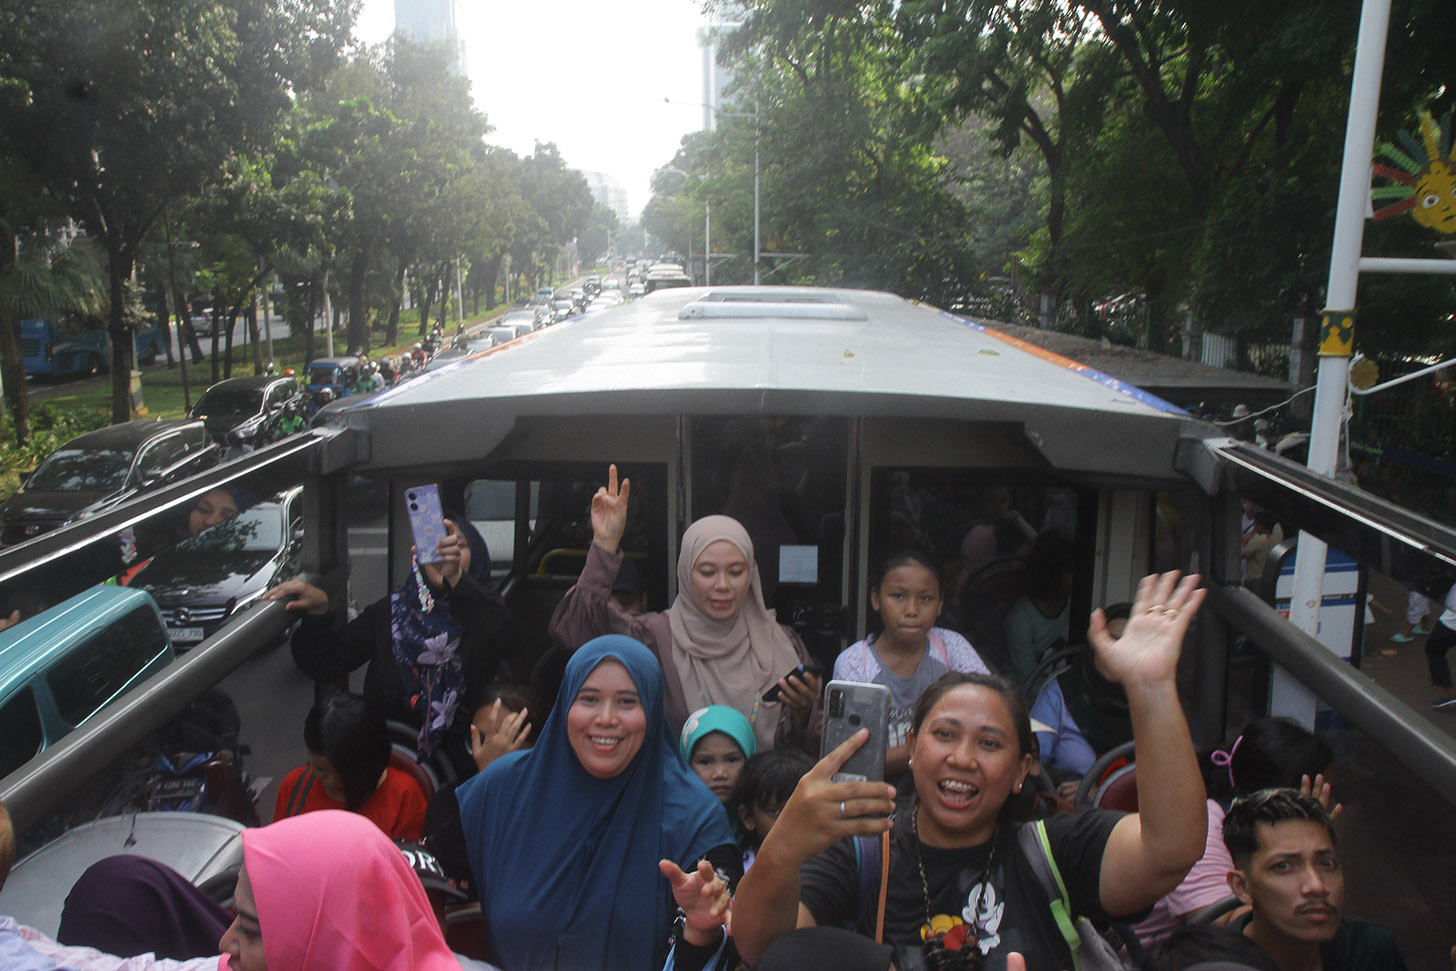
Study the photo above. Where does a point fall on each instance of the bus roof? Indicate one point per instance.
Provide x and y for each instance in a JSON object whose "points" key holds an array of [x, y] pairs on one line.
{"points": [[775, 351]]}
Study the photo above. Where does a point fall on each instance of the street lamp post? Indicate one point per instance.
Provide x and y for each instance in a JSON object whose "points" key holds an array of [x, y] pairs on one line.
{"points": [[757, 248]]}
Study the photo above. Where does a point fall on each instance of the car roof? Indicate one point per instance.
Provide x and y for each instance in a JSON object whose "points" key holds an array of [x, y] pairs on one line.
{"points": [[130, 434], [253, 381], [29, 646]]}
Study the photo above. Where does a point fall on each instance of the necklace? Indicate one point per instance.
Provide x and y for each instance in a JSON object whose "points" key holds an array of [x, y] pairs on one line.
{"points": [[976, 925]]}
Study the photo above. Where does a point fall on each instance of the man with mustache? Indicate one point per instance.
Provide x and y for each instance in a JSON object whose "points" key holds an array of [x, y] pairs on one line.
{"points": [[1287, 869]]}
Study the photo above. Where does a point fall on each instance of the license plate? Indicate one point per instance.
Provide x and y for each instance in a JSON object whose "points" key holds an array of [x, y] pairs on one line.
{"points": [[185, 635]]}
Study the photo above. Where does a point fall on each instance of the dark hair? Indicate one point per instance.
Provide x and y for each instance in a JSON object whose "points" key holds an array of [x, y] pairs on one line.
{"points": [[906, 556], [348, 732], [1190, 946], [1271, 753], [1122, 610], [1052, 556], [1019, 806], [513, 696], [1241, 824], [768, 777]]}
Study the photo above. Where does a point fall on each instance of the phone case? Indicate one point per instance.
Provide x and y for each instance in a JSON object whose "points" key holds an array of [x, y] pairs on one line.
{"points": [[848, 707], [427, 520]]}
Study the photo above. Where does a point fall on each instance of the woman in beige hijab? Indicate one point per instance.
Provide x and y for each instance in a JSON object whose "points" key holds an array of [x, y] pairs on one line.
{"points": [[718, 644]]}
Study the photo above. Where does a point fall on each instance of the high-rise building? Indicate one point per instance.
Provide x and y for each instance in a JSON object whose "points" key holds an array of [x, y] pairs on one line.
{"points": [[610, 193], [716, 78], [430, 22]]}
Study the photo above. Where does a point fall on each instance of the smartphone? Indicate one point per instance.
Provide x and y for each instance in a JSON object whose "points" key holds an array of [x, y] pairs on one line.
{"points": [[772, 694], [848, 707], [427, 520]]}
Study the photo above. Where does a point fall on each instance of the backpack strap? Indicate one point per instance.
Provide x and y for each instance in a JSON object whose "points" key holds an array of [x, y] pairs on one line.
{"points": [[1036, 848], [937, 642], [300, 793]]}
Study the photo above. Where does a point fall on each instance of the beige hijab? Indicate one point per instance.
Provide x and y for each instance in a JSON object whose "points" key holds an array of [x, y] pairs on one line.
{"points": [[728, 662]]}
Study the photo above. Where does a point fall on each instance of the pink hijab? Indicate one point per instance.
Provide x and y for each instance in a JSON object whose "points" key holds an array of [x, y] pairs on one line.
{"points": [[334, 894], [728, 662]]}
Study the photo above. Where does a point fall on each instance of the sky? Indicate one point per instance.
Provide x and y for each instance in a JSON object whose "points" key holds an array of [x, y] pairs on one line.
{"points": [[615, 86]]}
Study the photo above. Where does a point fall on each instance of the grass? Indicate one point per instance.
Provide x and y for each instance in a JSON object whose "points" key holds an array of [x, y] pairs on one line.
{"points": [[63, 416]]}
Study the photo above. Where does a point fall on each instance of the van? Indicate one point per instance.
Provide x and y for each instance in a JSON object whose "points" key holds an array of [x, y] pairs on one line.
{"points": [[65, 664]]}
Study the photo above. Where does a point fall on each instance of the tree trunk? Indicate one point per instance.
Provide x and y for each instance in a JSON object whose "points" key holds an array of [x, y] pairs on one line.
{"points": [[358, 339], [491, 273], [120, 258], [427, 298], [13, 365], [216, 338], [227, 341], [164, 317], [391, 332], [305, 301], [253, 335]]}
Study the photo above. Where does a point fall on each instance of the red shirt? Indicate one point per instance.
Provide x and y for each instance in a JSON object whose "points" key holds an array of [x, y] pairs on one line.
{"points": [[397, 806]]}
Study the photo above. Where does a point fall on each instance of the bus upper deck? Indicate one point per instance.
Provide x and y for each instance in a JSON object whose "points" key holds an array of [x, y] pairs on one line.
{"points": [[837, 425]]}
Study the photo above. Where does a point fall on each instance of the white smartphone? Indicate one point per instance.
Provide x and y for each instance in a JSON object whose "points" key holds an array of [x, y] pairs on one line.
{"points": [[427, 520]]}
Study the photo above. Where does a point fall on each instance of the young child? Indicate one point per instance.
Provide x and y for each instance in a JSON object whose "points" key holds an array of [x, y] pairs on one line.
{"points": [[764, 785], [911, 652], [716, 742]]}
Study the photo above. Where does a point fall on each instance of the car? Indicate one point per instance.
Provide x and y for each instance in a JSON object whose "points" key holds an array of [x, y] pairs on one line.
{"points": [[66, 663], [513, 317], [204, 581], [331, 378], [249, 408], [546, 293], [564, 308], [593, 284], [637, 290], [98, 470], [521, 328]]}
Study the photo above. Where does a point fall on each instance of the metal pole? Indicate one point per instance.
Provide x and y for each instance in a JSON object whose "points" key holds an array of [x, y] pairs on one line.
{"points": [[707, 244], [755, 193], [181, 313], [268, 318], [1337, 328]]}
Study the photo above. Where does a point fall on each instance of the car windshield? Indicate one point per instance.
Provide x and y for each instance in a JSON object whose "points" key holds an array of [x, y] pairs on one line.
{"points": [[323, 373], [224, 401], [82, 470], [259, 529]]}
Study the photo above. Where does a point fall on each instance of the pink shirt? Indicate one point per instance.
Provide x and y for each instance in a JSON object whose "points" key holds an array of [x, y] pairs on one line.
{"points": [[1206, 883]]}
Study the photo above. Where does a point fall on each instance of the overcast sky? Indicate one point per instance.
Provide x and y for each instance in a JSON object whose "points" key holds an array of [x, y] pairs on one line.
{"points": [[590, 77]]}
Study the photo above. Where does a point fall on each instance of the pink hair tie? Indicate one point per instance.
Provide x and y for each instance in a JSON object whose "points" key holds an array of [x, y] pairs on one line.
{"points": [[1226, 760]]}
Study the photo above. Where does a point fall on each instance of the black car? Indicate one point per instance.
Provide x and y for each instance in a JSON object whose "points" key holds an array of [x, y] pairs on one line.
{"points": [[203, 581], [248, 410], [97, 470]]}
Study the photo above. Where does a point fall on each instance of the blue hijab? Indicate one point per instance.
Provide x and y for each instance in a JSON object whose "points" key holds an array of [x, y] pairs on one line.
{"points": [[566, 864]]}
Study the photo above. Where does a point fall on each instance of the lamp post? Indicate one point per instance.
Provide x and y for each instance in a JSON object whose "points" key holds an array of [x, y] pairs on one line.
{"points": [[754, 115], [707, 225]]}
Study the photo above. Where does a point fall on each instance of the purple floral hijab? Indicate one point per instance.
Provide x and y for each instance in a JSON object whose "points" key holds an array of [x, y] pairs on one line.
{"points": [[427, 643]]}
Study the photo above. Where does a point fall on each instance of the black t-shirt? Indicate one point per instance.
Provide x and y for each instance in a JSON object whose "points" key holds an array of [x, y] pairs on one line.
{"points": [[1014, 911]]}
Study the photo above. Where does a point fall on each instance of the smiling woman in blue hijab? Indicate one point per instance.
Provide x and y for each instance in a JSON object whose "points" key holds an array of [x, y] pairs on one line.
{"points": [[564, 839], [432, 646]]}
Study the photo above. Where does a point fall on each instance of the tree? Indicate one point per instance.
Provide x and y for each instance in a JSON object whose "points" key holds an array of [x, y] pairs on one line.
{"points": [[132, 104]]}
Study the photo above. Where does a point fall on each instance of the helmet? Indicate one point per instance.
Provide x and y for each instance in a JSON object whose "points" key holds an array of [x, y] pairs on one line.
{"points": [[418, 346], [288, 373]]}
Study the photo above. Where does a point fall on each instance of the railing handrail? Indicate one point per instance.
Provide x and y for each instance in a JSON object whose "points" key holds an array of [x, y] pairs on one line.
{"points": [[1402, 731]]}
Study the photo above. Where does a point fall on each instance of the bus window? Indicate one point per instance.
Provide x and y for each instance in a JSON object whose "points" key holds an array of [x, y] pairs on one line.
{"points": [[983, 528], [783, 478]]}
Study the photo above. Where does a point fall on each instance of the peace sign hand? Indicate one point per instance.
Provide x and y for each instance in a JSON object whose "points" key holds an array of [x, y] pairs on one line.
{"points": [[609, 511]]}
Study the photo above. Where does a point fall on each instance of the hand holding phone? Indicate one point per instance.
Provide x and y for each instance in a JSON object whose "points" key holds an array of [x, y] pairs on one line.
{"points": [[850, 706], [427, 520], [801, 673]]}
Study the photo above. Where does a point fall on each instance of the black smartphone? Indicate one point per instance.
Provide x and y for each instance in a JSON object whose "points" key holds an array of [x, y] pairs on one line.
{"points": [[850, 706], [772, 694]]}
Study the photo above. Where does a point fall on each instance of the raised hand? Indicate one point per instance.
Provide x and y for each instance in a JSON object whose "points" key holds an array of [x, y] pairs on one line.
{"points": [[1149, 647], [703, 897], [798, 695], [454, 553], [609, 511], [1320, 789], [497, 731]]}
